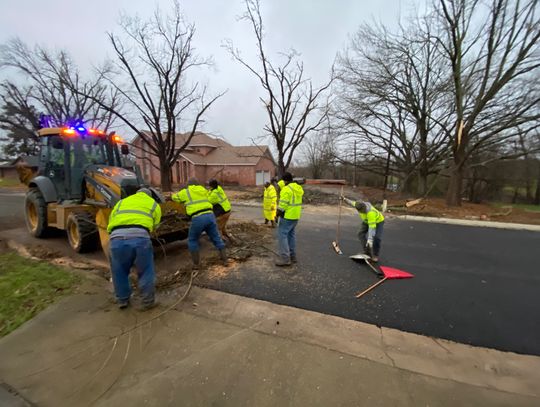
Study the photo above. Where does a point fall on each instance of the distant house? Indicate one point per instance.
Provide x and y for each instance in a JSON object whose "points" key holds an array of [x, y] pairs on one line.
{"points": [[208, 157], [8, 168]]}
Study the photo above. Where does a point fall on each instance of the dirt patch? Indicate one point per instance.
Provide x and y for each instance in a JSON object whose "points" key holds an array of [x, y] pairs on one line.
{"points": [[251, 240], [436, 207], [316, 196], [245, 193], [313, 195], [43, 252]]}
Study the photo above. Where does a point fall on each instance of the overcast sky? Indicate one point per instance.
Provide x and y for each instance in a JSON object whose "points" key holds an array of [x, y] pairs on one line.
{"points": [[315, 28]]}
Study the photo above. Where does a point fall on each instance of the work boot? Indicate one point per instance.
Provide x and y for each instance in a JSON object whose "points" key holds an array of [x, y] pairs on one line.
{"points": [[281, 262], [196, 259], [272, 224], [293, 258], [123, 304], [148, 306], [223, 256], [375, 259]]}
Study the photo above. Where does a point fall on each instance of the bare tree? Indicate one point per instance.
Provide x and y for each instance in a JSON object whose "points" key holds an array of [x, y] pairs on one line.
{"points": [[55, 86], [392, 100], [291, 100], [492, 49], [319, 152], [19, 119], [154, 58]]}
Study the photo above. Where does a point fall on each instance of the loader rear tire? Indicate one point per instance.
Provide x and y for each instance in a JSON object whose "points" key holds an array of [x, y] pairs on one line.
{"points": [[35, 213], [82, 232]]}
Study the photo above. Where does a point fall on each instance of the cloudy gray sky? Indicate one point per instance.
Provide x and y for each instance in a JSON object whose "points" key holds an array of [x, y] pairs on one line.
{"points": [[315, 28]]}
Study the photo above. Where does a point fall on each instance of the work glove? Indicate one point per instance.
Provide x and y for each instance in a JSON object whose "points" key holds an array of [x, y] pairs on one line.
{"points": [[370, 243]]}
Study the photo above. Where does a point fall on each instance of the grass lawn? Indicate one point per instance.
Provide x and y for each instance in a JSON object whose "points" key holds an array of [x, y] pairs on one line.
{"points": [[526, 207], [9, 182], [27, 287]]}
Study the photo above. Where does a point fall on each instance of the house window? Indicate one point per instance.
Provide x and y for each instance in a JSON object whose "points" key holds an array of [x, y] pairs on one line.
{"points": [[261, 177]]}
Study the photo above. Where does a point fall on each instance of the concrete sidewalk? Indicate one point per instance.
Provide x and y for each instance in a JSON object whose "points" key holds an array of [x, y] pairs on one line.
{"points": [[226, 350]]}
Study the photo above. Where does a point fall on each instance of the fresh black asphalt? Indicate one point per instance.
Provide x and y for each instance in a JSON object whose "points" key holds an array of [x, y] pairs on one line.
{"points": [[474, 285]]}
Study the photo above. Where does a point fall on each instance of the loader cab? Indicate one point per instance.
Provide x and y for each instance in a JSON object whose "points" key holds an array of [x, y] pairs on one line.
{"points": [[66, 153]]}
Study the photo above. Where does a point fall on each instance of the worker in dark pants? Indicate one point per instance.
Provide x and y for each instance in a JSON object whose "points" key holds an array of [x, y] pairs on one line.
{"points": [[371, 231], [199, 209], [221, 207], [288, 212], [130, 224]]}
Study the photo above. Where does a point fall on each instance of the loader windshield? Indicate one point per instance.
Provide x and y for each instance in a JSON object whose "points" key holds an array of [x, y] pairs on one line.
{"points": [[91, 150]]}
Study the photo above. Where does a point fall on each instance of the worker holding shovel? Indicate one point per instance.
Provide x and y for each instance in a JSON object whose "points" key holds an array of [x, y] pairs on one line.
{"points": [[370, 233]]}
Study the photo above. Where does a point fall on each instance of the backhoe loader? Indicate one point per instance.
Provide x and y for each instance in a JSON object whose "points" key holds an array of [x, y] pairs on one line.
{"points": [[82, 174]]}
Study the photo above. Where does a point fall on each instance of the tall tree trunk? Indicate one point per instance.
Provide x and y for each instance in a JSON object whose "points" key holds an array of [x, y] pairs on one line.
{"points": [[281, 166], [165, 170], [471, 186], [537, 194], [407, 184], [422, 181], [424, 167], [453, 194]]}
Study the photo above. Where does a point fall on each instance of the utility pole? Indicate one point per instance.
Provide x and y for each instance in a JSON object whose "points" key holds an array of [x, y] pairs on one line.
{"points": [[354, 169], [387, 170]]}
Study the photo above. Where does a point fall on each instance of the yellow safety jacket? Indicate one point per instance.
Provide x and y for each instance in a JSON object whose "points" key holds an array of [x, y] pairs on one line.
{"points": [[135, 210], [290, 201], [372, 217], [218, 197], [269, 202], [195, 199], [281, 184]]}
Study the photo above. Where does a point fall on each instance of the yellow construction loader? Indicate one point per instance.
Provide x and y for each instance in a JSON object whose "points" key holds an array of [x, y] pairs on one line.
{"points": [[82, 173]]}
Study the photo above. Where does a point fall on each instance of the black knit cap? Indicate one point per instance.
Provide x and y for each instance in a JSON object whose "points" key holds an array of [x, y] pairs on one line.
{"points": [[287, 177]]}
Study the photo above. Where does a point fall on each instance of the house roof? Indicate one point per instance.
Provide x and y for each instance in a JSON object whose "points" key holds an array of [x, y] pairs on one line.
{"points": [[223, 153], [31, 160], [230, 155], [199, 140]]}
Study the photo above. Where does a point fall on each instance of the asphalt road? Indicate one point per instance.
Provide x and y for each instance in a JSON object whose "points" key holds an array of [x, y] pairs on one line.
{"points": [[11, 210], [472, 285]]}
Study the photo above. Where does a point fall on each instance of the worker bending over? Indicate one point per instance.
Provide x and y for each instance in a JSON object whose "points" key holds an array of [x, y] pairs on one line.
{"points": [[130, 224], [199, 209], [269, 203], [289, 210], [221, 207], [371, 232]]}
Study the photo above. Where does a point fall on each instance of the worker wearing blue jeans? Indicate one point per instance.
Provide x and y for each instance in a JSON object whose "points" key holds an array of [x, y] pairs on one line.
{"points": [[287, 240], [288, 212], [198, 207], [204, 223], [130, 223], [124, 253]]}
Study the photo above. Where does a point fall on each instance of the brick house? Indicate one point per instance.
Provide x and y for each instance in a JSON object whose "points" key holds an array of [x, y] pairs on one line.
{"points": [[208, 157]]}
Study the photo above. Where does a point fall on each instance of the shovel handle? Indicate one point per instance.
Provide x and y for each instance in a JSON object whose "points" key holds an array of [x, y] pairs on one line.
{"points": [[339, 217], [367, 290]]}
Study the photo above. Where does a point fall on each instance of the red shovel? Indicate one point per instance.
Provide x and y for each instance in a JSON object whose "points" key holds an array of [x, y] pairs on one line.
{"points": [[390, 273]]}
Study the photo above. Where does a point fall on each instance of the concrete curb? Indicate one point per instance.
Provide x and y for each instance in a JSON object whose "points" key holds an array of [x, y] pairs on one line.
{"points": [[478, 223], [440, 358]]}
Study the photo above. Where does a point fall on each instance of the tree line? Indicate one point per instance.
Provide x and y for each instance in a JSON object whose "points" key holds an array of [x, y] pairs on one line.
{"points": [[450, 91]]}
